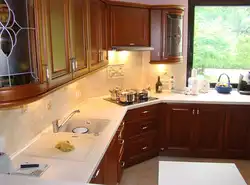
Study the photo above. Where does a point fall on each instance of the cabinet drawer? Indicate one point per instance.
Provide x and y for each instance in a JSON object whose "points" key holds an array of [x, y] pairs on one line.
{"points": [[141, 144], [135, 128], [141, 113]]}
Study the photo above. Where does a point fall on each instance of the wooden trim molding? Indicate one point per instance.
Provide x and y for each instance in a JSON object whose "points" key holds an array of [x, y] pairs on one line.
{"points": [[169, 60], [14, 96], [128, 4]]}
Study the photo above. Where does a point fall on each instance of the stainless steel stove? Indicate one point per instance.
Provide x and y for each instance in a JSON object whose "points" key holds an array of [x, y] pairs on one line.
{"points": [[133, 103]]}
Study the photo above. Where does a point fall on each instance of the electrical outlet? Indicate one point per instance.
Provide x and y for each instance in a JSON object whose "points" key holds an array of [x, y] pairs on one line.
{"points": [[78, 94], [49, 105], [24, 109]]}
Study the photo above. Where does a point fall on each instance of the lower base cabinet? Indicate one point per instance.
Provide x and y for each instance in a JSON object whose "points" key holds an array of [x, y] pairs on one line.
{"points": [[202, 130], [188, 130], [237, 132], [98, 177], [111, 167]]}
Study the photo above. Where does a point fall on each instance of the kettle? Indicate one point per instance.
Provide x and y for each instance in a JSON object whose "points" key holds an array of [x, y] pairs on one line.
{"points": [[6, 165], [244, 84]]}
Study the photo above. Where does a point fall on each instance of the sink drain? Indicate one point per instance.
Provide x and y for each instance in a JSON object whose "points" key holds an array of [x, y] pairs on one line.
{"points": [[80, 130]]}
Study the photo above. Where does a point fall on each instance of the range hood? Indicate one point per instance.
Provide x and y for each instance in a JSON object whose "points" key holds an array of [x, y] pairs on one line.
{"points": [[132, 48]]}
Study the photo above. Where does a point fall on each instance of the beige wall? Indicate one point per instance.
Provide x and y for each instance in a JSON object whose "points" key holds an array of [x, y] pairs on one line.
{"points": [[19, 127]]}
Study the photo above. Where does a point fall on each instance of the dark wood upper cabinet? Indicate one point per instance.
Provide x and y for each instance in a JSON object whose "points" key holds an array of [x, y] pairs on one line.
{"points": [[179, 127], [79, 37], [209, 130], [21, 52], [98, 27], [156, 34], [58, 50], [167, 34], [129, 26], [237, 132]]}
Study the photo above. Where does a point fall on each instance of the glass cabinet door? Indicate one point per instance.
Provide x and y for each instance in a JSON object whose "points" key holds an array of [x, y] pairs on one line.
{"points": [[173, 33], [57, 12], [18, 43], [78, 28]]}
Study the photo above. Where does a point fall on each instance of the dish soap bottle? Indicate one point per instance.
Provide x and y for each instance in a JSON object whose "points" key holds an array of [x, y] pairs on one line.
{"points": [[158, 85]]}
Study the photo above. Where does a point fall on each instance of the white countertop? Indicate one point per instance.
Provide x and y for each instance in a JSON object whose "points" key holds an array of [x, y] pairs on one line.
{"points": [[75, 171], [189, 173], [21, 180]]}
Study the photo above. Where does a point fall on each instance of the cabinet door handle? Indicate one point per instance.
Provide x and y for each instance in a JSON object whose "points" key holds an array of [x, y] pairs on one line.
{"points": [[145, 112], [131, 44], [123, 164], [144, 148], [120, 136], [198, 111], [145, 128], [123, 124], [193, 112], [122, 141], [96, 174]]}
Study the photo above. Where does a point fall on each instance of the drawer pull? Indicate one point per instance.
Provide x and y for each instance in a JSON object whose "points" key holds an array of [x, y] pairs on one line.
{"points": [[96, 174], [122, 141], [122, 164], [144, 148], [145, 112], [123, 123], [145, 128]]}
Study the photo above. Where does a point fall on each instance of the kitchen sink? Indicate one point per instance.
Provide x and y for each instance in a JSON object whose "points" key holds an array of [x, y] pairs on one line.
{"points": [[86, 126]]}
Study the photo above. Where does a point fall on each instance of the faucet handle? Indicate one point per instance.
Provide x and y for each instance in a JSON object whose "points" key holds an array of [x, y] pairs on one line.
{"points": [[55, 124]]}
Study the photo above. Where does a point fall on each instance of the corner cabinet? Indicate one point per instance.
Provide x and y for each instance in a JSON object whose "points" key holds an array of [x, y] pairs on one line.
{"points": [[167, 34]]}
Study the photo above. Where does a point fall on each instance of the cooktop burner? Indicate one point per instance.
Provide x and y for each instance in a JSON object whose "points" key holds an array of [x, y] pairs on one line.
{"points": [[133, 103]]}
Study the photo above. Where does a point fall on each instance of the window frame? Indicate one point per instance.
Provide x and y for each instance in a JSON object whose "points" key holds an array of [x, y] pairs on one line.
{"points": [[191, 11]]}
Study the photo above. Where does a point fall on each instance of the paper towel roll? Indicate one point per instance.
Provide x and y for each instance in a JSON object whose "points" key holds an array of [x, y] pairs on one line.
{"points": [[2, 144]]}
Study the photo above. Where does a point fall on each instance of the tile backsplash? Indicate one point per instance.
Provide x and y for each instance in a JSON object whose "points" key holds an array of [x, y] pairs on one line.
{"points": [[19, 126]]}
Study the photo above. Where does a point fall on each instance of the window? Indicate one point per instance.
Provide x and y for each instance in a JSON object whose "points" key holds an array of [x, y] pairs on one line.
{"points": [[219, 39]]}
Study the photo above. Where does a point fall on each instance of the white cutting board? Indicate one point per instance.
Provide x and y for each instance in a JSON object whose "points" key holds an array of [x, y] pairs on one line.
{"points": [[45, 147]]}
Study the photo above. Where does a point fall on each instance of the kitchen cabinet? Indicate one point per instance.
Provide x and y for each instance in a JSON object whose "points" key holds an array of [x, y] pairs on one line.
{"points": [[98, 177], [98, 28], [112, 162], [167, 34], [21, 52], [179, 127], [58, 50], [195, 130], [237, 132], [79, 37], [141, 135], [209, 130], [129, 26]]}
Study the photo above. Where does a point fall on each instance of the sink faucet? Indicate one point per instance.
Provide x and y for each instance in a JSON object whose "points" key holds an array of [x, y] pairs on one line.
{"points": [[56, 126]]}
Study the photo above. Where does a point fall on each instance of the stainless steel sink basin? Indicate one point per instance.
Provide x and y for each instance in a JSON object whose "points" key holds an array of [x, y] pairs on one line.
{"points": [[92, 126]]}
